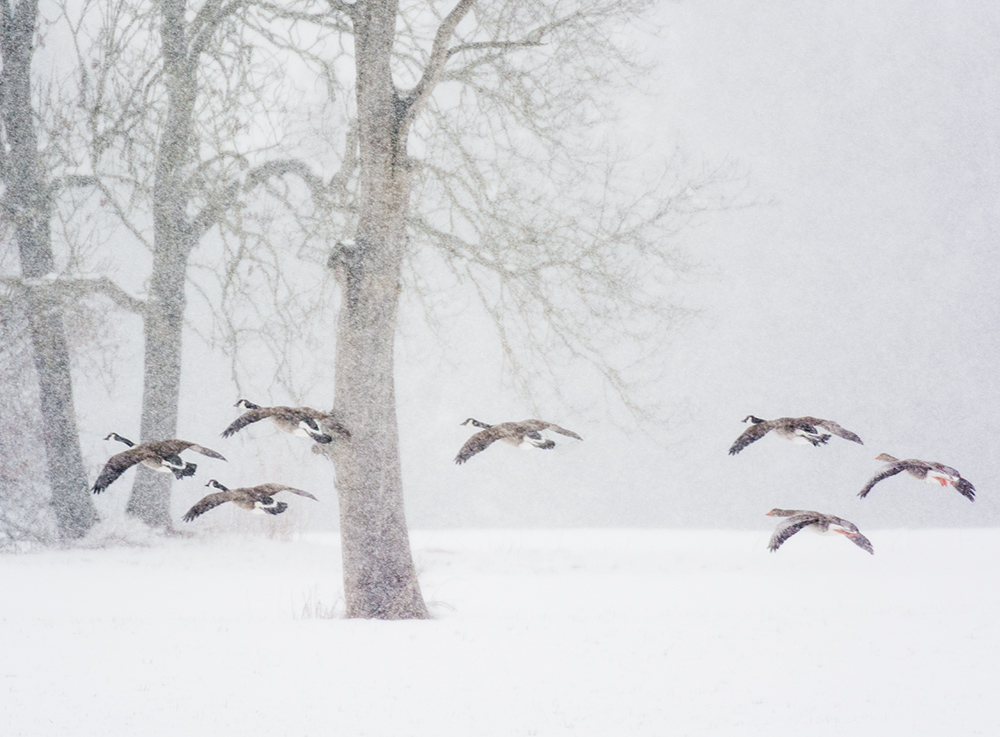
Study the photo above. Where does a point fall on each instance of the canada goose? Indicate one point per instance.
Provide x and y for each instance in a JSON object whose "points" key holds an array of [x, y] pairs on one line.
{"points": [[516, 433], [796, 429], [799, 519], [929, 471], [160, 455], [301, 421], [254, 498]]}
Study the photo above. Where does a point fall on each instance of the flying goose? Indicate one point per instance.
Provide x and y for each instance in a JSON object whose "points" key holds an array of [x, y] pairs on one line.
{"points": [[526, 432], [160, 455], [799, 519], [796, 429], [301, 421], [258, 498], [929, 471]]}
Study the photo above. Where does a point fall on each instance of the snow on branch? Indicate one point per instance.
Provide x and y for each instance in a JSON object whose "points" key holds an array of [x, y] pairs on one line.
{"points": [[77, 287]]}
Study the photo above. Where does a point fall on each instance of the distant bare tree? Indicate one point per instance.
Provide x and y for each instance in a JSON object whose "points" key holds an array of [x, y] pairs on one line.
{"points": [[27, 206], [26, 517], [162, 86]]}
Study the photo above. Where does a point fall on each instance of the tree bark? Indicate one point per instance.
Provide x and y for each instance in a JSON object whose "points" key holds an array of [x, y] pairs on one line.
{"points": [[28, 204], [380, 580], [173, 241]]}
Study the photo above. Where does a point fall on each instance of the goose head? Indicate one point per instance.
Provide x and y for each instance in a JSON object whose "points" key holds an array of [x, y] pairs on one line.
{"points": [[779, 513], [886, 458], [216, 485], [246, 404], [754, 420], [120, 439]]}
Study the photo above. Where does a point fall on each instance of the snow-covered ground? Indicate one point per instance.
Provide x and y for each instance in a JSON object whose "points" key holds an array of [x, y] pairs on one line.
{"points": [[610, 632]]}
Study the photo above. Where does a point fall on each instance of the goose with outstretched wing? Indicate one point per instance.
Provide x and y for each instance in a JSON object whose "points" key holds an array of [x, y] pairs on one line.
{"points": [[801, 519], [929, 471], [523, 433], [258, 498], [794, 429]]}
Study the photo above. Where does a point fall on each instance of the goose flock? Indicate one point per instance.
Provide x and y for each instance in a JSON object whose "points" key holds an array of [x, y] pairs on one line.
{"points": [[164, 456], [810, 430], [325, 427]]}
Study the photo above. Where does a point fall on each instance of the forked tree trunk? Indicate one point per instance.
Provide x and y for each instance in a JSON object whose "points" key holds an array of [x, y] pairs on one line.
{"points": [[28, 205], [380, 580]]}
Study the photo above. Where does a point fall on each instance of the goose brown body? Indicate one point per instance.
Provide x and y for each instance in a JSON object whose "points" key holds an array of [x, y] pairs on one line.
{"points": [[304, 421], [160, 455], [260, 497], [800, 519], [928, 471], [795, 429], [514, 433]]}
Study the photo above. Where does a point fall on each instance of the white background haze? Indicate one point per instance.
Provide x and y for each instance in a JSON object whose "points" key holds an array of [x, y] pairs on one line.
{"points": [[861, 287]]}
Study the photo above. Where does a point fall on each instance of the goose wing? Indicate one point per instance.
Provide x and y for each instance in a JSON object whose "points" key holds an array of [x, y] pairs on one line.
{"points": [[247, 418], [205, 451], [209, 502], [561, 430], [788, 527], [115, 467], [891, 470], [841, 522], [478, 443], [320, 421], [963, 486], [272, 489], [834, 428], [966, 489], [750, 435], [330, 422], [527, 426], [860, 540], [175, 447]]}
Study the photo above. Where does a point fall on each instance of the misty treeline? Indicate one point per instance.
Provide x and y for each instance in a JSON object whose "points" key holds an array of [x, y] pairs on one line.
{"points": [[301, 166]]}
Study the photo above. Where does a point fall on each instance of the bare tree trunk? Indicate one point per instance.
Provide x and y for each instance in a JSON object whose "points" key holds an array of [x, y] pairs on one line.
{"points": [[172, 243], [28, 204], [164, 320], [380, 581]]}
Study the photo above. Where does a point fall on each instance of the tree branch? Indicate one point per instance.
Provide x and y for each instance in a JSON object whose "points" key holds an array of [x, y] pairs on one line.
{"points": [[439, 56], [78, 287], [213, 211], [504, 45], [345, 8], [207, 20]]}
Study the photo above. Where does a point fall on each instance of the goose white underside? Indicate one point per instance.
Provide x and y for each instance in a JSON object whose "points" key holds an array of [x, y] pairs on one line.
{"points": [[300, 429], [527, 443], [272, 507], [942, 479], [801, 437], [524, 444], [305, 430], [159, 466]]}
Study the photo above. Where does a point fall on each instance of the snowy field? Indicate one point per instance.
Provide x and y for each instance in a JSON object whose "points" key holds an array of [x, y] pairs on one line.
{"points": [[535, 633]]}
